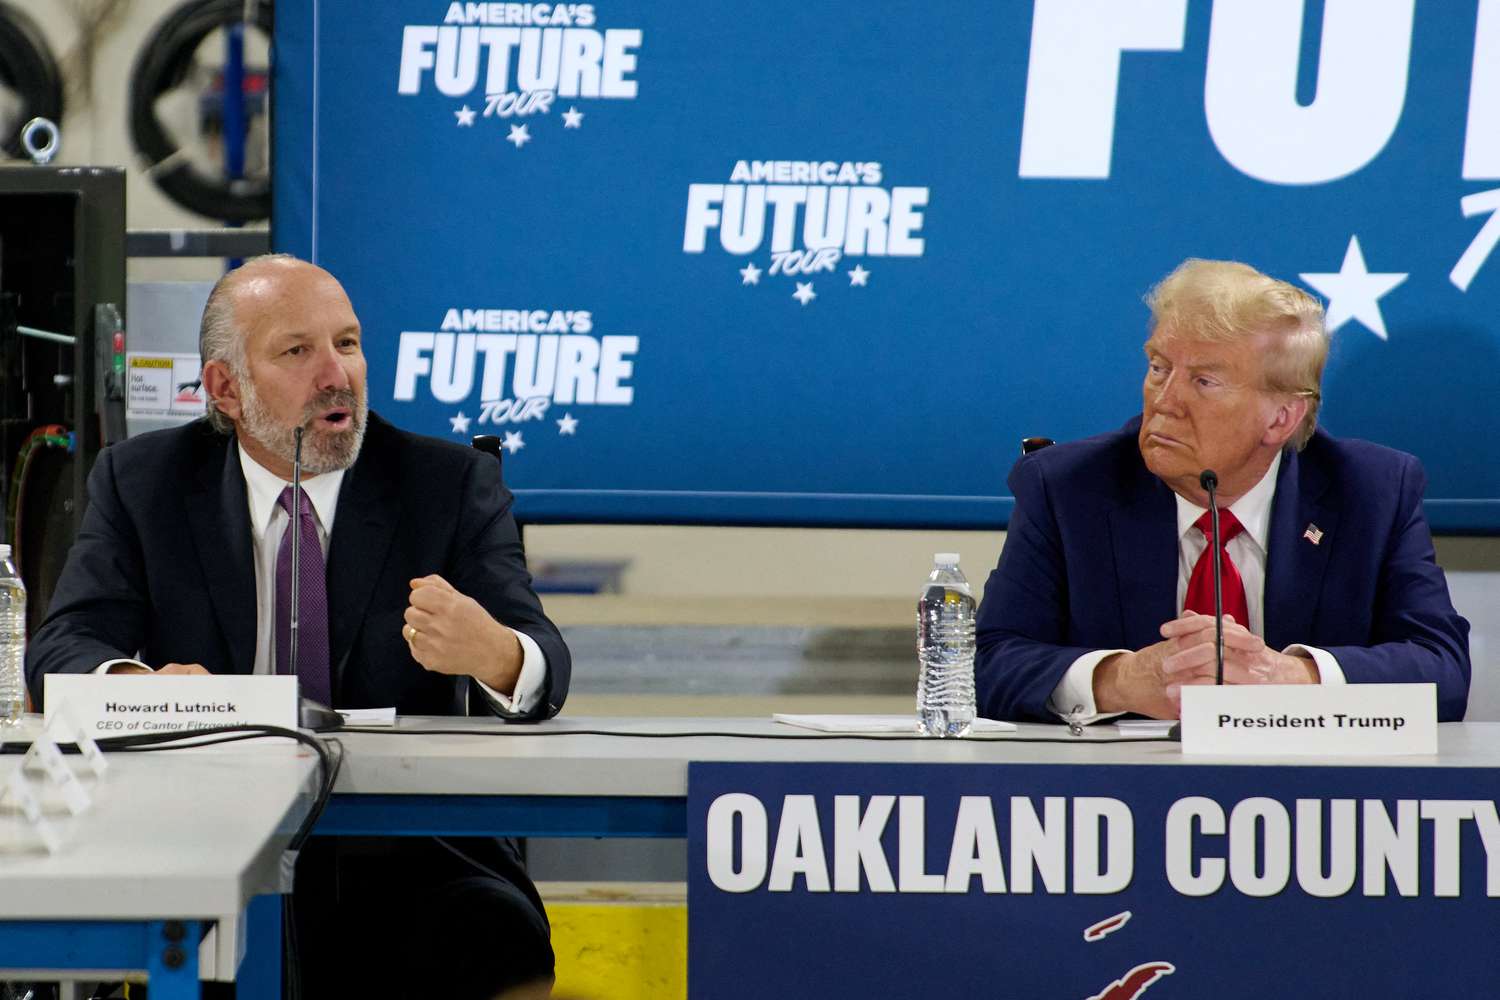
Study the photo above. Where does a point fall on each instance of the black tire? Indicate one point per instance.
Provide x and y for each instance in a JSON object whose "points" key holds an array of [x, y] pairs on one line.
{"points": [[27, 67], [162, 64]]}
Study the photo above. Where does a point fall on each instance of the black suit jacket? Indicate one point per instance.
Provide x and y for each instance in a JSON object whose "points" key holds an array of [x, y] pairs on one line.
{"points": [[162, 569]]}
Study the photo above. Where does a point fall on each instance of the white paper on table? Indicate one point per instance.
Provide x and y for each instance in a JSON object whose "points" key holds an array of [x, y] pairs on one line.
{"points": [[877, 723], [1145, 727], [368, 716]]}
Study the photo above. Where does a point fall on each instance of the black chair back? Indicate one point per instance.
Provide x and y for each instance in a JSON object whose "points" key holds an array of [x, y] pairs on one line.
{"points": [[1028, 445], [490, 445]]}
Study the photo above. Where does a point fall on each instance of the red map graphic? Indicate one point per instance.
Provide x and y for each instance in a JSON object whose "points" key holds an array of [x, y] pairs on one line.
{"points": [[1105, 927], [1135, 982]]}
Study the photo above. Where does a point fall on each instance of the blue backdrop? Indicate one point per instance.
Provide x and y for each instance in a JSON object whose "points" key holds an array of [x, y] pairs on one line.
{"points": [[572, 225]]}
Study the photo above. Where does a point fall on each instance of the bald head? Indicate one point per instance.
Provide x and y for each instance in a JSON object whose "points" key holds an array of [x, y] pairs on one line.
{"points": [[281, 350], [236, 301]]}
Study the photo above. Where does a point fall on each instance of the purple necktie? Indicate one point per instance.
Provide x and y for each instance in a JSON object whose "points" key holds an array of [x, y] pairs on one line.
{"points": [[312, 594]]}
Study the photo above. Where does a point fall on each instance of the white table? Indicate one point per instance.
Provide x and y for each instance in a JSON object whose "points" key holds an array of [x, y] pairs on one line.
{"points": [[129, 874], [558, 762], [555, 779], [176, 844]]}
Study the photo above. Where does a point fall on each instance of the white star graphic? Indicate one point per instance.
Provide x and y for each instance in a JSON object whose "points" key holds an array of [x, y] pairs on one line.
{"points": [[804, 293], [750, 274], [518, 135], [1355, 293], [859, 276], [460, 423], [513, 442], [568, 424], [465, 115], [572, 118]]}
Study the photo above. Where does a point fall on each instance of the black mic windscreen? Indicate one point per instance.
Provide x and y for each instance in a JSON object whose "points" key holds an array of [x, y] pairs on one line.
{"points": [[1209, 480]]}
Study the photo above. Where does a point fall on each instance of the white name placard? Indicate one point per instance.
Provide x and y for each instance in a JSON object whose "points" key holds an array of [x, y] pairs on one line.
{"points": [[1361, 720], [129, 705]]}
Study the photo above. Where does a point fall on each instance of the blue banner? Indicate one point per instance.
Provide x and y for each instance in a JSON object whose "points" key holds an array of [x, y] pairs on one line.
{"points": [[828, 264], [1099, 882]]}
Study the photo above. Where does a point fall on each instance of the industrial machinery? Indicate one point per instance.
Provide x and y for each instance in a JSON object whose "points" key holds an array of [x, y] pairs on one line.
{"points": [[62, 351]]}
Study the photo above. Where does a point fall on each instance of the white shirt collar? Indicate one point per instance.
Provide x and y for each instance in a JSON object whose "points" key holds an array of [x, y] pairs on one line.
{"points": [[263, 487], [1253, 509]]}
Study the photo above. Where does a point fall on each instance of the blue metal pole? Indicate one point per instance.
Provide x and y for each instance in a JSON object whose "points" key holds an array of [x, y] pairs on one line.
{"points": [[233, 108], [259, 976], [172, 960], [166, 950]]}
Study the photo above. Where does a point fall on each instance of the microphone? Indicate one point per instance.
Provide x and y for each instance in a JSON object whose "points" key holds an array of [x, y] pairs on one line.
{"points": [[1209, 480], [310, 714]]}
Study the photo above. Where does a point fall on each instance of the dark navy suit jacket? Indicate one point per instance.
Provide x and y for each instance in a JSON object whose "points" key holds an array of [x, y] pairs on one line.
{"points": [[1090, 562], [163, 568]]}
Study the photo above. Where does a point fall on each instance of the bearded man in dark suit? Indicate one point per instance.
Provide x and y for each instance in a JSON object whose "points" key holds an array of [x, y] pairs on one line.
{"points": [[414, 594]]}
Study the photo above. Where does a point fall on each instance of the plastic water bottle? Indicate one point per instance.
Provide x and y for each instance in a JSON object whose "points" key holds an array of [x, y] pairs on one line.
{"points": [[12, 641], [945, 645]]}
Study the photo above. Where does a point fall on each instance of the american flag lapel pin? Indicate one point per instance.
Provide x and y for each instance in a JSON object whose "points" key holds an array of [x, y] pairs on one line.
{"points": [[1313, 534]]}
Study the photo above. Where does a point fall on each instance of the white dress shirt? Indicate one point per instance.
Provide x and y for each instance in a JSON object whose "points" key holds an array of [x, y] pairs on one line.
{"points": [[1247, 550], [268, 523]]}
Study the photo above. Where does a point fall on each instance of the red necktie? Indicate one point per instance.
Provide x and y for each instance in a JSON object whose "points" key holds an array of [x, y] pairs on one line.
{"points": [[1200, 590]]}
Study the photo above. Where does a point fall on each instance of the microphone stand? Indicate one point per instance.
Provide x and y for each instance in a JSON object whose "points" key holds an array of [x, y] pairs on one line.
{"points": [[295, 527], [1210, 483], [1209, 480], [310, 714]]}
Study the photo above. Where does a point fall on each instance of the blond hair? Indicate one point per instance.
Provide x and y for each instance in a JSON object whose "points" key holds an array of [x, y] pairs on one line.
{"points": [[1225, 301]]}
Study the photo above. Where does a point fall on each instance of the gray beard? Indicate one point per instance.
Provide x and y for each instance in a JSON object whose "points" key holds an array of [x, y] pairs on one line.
{"points": [[319, 454]]}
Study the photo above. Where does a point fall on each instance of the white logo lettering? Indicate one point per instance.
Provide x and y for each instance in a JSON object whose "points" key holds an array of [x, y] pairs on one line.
{"points": [[1482, 142], [570, 62], [722, 842], [1073, 81], [1250, 94]]}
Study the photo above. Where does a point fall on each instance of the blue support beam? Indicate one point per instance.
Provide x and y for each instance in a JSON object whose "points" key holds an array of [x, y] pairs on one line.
{"points": [[172, 960], [504, 815], [464, 815], [259, 976], [166, 950], [234, 117]]}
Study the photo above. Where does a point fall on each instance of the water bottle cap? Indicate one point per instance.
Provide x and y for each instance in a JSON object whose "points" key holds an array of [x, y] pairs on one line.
{"points": [[946, 558]]}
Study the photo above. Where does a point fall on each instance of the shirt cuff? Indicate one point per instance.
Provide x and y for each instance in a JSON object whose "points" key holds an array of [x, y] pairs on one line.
{"points": [[1073, 698], [109, 665], [1329, 671], [528, 685]]}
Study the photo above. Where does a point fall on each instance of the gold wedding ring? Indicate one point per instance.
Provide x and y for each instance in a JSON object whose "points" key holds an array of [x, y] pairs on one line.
{"points": [[411, 634]]}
